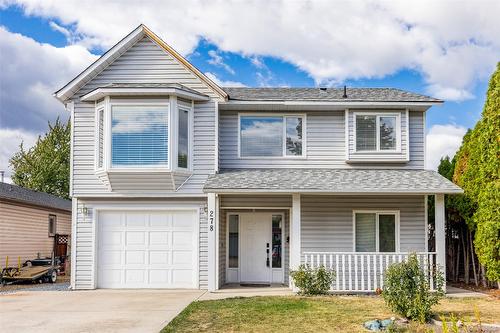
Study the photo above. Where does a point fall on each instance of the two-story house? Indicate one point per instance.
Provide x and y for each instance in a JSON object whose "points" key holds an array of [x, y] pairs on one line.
{"points": [[179, 183]]}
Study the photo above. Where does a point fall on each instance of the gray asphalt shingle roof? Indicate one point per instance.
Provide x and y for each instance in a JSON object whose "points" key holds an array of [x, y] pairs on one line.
{"points": [[329, 94], [330, 180], [24, 195]]}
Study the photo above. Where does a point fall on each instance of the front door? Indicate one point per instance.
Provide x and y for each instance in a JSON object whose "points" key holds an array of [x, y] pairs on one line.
{"points": [[256, 247]]}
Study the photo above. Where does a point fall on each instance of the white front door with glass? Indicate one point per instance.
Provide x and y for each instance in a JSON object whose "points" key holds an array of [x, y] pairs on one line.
{"points": [[255, 247]]}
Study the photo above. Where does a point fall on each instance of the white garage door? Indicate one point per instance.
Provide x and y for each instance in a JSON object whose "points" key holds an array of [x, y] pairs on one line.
{"points": [[154, 249]]}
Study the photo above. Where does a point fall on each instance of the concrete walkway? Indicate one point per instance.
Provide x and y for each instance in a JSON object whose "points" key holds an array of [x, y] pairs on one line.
{"points": [[235, 290], [462, 293], [92, 310]]}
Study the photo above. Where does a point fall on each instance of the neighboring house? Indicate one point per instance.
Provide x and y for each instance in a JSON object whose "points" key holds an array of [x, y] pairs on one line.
{"points": [[179, 183], [32, 224]]}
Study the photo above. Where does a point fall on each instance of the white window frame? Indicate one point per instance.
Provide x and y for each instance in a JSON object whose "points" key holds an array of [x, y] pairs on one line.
{"points": [[190, 137], [170, 104], [377, 213], [378, 115], [275, 115]]}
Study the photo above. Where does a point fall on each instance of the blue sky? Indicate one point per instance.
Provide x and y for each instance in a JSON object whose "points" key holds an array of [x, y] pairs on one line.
{"points": [[43, 45]]}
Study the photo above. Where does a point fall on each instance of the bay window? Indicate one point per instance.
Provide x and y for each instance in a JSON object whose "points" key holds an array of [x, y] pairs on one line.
{"points": [[139, 136], [183, 139], [271, 136], [376, 231], [376, 132]]}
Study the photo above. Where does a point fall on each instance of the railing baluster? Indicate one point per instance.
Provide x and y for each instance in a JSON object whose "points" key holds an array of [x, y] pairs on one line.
{"points": [[369, 274], [362, 272], [355, 272], [337, 268], [381, 262], [432, 271], [343, 272], [375, 285], [350, 271]]}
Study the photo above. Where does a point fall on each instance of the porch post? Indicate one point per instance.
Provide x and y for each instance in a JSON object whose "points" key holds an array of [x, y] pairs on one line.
{"points": [[440, 237], [213, 225], [295, 247]]}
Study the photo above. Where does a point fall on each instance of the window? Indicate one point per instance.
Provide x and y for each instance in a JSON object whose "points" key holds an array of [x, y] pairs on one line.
{"points": [[100, 149], [183, 140], [52, 225], [376, 132], [271, 136], [233, 231], [139, 136], [376, 231], [276, 238]]}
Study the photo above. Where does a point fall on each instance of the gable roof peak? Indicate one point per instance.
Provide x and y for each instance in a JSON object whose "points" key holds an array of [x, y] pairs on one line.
{"points": [[68, 90]]}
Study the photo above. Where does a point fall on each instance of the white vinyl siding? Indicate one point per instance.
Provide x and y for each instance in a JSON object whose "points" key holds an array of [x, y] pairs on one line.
{"points": [[327, 220], [326, 146], [144, 62]]}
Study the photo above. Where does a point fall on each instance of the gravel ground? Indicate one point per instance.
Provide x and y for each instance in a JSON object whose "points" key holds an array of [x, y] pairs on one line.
{"points": [[13, 288]]}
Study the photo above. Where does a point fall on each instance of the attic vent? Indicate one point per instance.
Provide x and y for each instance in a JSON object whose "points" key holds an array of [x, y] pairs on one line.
{"points": [[345, 92], [322, 88]]}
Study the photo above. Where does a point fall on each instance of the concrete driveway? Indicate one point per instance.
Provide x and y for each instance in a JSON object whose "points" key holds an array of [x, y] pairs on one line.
{"points": [[93, 310]]}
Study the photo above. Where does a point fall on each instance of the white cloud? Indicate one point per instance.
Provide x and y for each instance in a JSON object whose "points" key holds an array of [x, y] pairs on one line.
{"points": [[442, 140], [217, 60], [452, 44], [30, 73], [222, 83], [11, 139]]}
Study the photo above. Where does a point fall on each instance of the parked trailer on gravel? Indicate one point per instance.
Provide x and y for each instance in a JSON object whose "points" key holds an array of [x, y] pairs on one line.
{"points": [[37, 270]]}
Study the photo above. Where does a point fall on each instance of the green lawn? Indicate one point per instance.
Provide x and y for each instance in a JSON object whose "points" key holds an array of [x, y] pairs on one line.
{"points": [[306, 314]]}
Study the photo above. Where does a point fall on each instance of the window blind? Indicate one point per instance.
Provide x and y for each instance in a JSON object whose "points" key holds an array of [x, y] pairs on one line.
{"points": [[100, 152], [365, 232], [139, 136], [366, 133]]}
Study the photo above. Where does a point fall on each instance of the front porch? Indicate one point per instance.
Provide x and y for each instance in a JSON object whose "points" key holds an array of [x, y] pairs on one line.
{"points": [[258, 238]]}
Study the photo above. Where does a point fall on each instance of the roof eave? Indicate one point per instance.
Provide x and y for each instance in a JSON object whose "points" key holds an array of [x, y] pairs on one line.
{"points": [[330, 192]]}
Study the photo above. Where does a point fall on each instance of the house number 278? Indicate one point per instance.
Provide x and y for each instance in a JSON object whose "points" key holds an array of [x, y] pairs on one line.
{"points": [[211, 219]]}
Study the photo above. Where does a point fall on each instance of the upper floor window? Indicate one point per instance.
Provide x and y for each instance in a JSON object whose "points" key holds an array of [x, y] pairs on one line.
{"points": [[271, 136], [183, 140], [139, 136], [376, 231], [376, 132]]}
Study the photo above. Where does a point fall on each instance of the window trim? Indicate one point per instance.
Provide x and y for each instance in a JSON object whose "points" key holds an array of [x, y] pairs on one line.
{"points": [[190, 137], [378, 115], [107, 104], [396, 213], [54, 217], [271, 115]]}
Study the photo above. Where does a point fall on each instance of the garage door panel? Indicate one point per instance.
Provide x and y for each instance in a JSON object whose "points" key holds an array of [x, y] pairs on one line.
{"points": [[147, 249], [135, 257], [158, 257], [135, 220], [182, 239], [160, 220], [135, 237], [159, 238]]}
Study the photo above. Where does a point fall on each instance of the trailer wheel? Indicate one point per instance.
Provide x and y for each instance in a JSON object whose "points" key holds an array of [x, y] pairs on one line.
{"points": [[53, 276]]}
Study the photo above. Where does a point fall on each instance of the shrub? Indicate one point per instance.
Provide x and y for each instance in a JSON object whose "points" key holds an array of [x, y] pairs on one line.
{"points": [[407, 290], [313, 281]]}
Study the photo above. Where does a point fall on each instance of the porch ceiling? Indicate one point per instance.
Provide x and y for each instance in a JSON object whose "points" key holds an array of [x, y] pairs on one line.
{"points": [[334, 181]]}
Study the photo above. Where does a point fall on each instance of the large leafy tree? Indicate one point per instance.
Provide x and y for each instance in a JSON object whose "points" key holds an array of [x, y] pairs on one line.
{"points": [[45, 166], [477, 171]]}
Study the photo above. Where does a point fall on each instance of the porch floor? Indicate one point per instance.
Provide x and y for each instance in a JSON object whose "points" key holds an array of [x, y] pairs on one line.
{"points": [[235, 290]]}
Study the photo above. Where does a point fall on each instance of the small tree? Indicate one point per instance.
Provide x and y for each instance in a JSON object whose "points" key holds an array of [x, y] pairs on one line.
{"points": [[45, 166], [407, 290]]}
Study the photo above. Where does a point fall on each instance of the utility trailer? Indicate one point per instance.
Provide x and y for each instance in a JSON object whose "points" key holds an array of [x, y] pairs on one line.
{"points": [[37, 270]]}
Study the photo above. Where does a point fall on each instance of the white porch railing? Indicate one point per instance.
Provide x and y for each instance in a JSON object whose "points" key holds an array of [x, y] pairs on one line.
{"points": [[364, 271]]}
